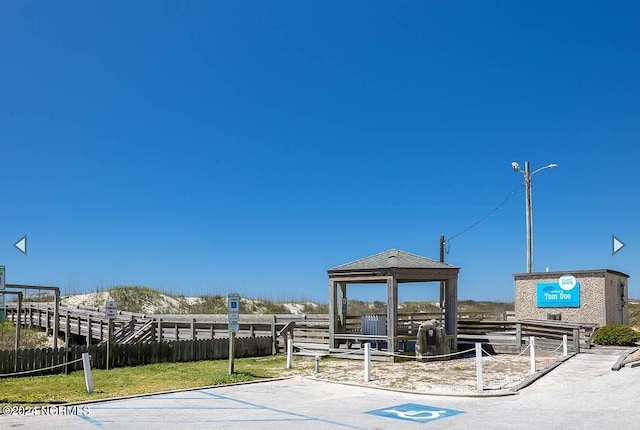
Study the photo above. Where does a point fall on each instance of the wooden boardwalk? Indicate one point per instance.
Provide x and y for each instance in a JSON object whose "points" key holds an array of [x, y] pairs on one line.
{"points": [[89, 326]]}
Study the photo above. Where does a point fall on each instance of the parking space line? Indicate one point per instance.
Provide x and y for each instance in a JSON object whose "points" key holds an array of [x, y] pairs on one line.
{"points": [[222, 420], [164, 408], [90, 420], [305, 417], [199, 396]]}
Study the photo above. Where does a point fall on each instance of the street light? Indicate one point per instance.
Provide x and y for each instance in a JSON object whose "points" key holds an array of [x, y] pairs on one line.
{"points": [[527, 182]]}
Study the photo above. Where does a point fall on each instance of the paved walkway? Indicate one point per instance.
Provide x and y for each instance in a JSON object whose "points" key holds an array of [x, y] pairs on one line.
{"points": [[584, 367], [582, 393]]}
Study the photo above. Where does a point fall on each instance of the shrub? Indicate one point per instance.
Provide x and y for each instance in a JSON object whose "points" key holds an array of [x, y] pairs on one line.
{"points": [[617, 334]]}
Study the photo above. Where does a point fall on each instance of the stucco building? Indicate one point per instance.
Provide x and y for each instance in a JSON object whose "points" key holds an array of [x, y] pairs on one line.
{"points": [[584, 296]]}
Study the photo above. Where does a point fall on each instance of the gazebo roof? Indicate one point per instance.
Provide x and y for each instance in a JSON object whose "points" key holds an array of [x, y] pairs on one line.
{"points": [[392, 259]]}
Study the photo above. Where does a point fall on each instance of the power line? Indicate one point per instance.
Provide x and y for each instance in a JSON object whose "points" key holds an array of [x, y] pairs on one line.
{"points": [[484, 217]]}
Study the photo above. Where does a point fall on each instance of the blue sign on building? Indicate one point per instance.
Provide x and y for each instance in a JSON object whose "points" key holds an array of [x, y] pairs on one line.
{"points": [[415, 412], [562, 294]]}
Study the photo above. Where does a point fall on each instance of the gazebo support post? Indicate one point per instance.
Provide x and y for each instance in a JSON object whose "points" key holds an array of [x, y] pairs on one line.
{"points": [[392, 315], [332, 313], [341, 304], [451, 310]]}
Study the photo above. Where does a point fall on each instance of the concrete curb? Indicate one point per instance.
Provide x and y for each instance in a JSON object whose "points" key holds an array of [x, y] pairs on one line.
{"points": [[533, 378], [486, 393], [633, 364], [619, 364], [179, 390]]}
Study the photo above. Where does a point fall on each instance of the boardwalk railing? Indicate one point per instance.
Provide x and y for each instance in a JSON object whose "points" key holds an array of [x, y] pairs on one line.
{"points": [[31, 362], [499, 331], [89, 325], [513, 336]]}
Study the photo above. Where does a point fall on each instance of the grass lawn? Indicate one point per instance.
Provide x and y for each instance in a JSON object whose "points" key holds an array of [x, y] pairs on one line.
{"points": [[128, 381]]}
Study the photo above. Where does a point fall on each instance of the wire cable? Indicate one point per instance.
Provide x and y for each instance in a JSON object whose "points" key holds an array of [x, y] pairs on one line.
{"points": [[6, 375], [448, 247], [392, 354]]}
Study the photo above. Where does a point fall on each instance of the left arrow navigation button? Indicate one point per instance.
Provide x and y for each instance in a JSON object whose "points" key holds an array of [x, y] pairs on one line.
{"points": [[21, 244]]}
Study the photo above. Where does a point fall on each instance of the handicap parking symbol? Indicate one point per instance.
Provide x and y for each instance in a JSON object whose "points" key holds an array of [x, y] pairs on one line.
{"points": [[415, 412]]}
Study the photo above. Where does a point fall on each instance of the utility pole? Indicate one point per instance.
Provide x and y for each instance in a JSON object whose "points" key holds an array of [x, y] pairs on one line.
{"points": [[442, 244], [527, 184], [529, 210]]}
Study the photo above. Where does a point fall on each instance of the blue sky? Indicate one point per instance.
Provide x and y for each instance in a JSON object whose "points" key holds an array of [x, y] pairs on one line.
{"points": [[207, 147]]}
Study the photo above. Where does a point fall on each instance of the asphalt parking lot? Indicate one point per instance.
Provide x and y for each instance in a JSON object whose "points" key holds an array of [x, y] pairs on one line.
{"points": [[582, 393]]}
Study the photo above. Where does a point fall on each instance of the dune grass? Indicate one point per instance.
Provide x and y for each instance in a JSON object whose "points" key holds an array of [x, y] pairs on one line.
{"points": [[634, 314], [139, 299], [29, 338], [128, 381]]}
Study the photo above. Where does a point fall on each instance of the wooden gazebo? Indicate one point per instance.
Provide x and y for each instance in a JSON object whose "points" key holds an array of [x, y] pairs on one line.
{"points": [[391, 267]]}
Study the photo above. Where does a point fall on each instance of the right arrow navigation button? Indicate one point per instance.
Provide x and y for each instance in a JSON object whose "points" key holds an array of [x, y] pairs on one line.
{"points": [[616, 244]]}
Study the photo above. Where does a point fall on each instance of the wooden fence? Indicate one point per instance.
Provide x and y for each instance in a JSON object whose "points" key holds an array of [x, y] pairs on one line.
{"points": [[122, 355]]}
